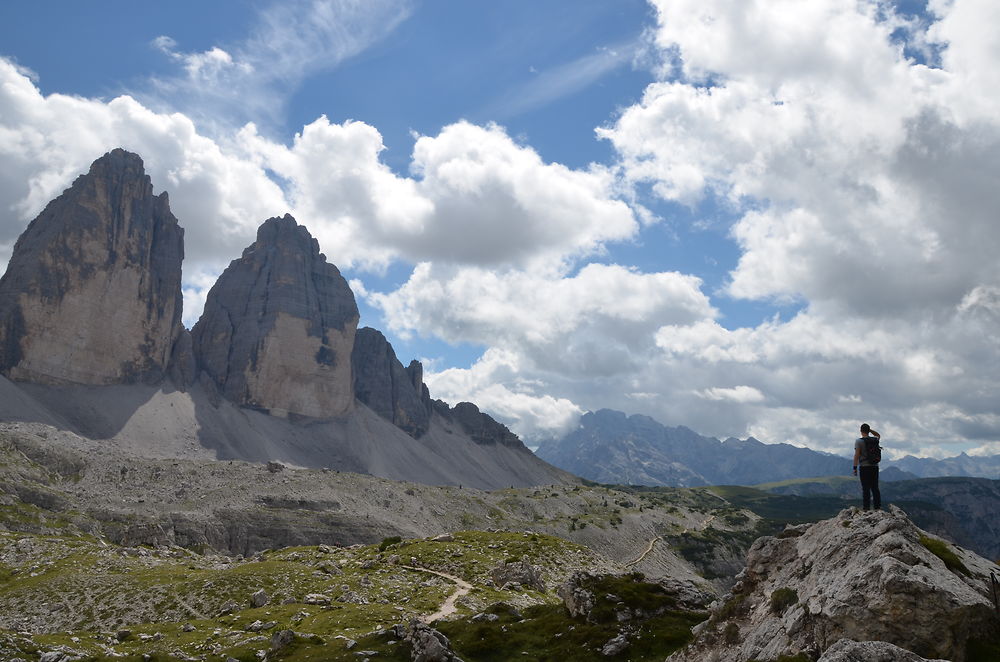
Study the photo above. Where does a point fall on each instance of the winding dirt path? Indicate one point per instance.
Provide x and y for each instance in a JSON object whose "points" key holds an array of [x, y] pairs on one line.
{"points": [[648, 549], [448, 606], [701, 527]]}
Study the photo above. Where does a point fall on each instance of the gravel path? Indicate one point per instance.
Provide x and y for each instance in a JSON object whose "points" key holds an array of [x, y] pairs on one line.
{"points": [[448, 606]]}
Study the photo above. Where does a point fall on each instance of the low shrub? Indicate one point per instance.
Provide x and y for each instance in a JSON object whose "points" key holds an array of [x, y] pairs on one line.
{"points": [[388, 542], [782, 599]]}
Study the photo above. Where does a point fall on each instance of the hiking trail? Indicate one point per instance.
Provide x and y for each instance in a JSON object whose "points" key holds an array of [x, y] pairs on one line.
{"points": [[652, 543], [448, 606]]}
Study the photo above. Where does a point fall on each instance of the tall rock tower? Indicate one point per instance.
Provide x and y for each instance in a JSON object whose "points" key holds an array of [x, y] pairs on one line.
{"points": [[279, 326], [92, 293], [395, 393]]}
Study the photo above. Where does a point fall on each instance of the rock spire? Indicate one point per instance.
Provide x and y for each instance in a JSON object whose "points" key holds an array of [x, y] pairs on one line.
{"points": [[279, 326], [92, 293], [393, 392]]}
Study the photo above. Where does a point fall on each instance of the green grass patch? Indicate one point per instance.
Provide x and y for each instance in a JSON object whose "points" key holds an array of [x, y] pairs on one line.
{"points": [[787, 509], [940, 549], [546, 633], [387, 542]]}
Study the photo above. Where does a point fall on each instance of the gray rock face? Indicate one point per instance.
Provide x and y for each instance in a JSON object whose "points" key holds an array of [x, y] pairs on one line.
{"points": [[615, 646], [578, 600], [482, 428], [847, 650], [393, 392], [429, 645], [518, 572], [279, 326], [92, 294], [861, 576]]}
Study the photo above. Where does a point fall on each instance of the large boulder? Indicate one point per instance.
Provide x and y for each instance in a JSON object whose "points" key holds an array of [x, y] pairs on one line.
{"points": [[864, 576], [92, 293], [518, 573], [429, 645], [578, 599], [279, 326], [395, 393]]}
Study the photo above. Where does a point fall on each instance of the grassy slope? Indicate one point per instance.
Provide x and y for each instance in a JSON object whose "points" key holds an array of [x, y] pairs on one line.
{"points": [[78, 594]]}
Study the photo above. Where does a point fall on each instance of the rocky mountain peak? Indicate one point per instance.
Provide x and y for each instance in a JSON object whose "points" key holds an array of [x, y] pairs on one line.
{"points": [[395, 393], [279, 326], [481, 427], [860, 576], [92, 293]]}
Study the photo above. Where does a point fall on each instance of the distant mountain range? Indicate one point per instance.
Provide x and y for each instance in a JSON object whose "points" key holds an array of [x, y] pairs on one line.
{"points": [[610, 447]]}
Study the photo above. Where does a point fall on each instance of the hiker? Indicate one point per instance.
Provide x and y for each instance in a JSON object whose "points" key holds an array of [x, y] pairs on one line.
{"points": [[866, 457]]}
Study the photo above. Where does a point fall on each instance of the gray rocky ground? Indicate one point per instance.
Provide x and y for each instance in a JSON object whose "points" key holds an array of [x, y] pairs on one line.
{"points": [[163, 422], [240, 508]]}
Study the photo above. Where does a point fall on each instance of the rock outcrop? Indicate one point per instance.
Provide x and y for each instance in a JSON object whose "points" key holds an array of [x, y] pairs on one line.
{"points": [[395, 393], [579, 600], [92, 293], [400, 396], [278, 327], [518, 573], [429, 645], [864, 576], [482, 428], [847, 650]]}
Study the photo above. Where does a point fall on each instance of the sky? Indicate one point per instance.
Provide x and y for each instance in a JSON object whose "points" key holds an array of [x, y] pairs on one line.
{"points": [[768, 217]]}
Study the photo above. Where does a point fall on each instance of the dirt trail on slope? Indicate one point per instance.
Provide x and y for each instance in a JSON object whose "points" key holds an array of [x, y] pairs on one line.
{"points": [[652, 543], [648, 549], [448, 606]]}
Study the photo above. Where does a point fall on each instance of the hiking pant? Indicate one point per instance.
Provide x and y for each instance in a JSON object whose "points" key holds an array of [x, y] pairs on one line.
{"points": [[869, 486]]}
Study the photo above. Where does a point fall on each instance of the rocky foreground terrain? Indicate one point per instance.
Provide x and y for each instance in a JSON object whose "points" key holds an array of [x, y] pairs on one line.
{"points": [[106, 556], [858, 577], [64, 598], [83, 585]]}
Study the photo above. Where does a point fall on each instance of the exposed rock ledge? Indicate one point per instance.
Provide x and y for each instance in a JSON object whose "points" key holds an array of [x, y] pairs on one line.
{"points": [[864, 576]]}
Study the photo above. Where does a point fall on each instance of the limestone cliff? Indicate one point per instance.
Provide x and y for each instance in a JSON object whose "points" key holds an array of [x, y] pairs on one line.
{"points": [[92, 293], [393, 392], [860, 576], [279, 326]]}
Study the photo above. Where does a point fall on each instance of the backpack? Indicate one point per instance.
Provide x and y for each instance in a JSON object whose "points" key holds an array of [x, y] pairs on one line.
{"points": [[870, 450]]}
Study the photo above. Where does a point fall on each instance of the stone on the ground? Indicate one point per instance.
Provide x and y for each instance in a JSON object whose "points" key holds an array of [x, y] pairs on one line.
{"points": [[259, 598]]}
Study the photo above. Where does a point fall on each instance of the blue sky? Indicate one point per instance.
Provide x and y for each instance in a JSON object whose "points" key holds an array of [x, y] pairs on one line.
{"points": [[726, 216]]}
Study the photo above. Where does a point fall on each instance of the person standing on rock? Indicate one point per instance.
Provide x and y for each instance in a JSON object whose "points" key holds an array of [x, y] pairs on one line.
{"points": [[866, 458]]}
